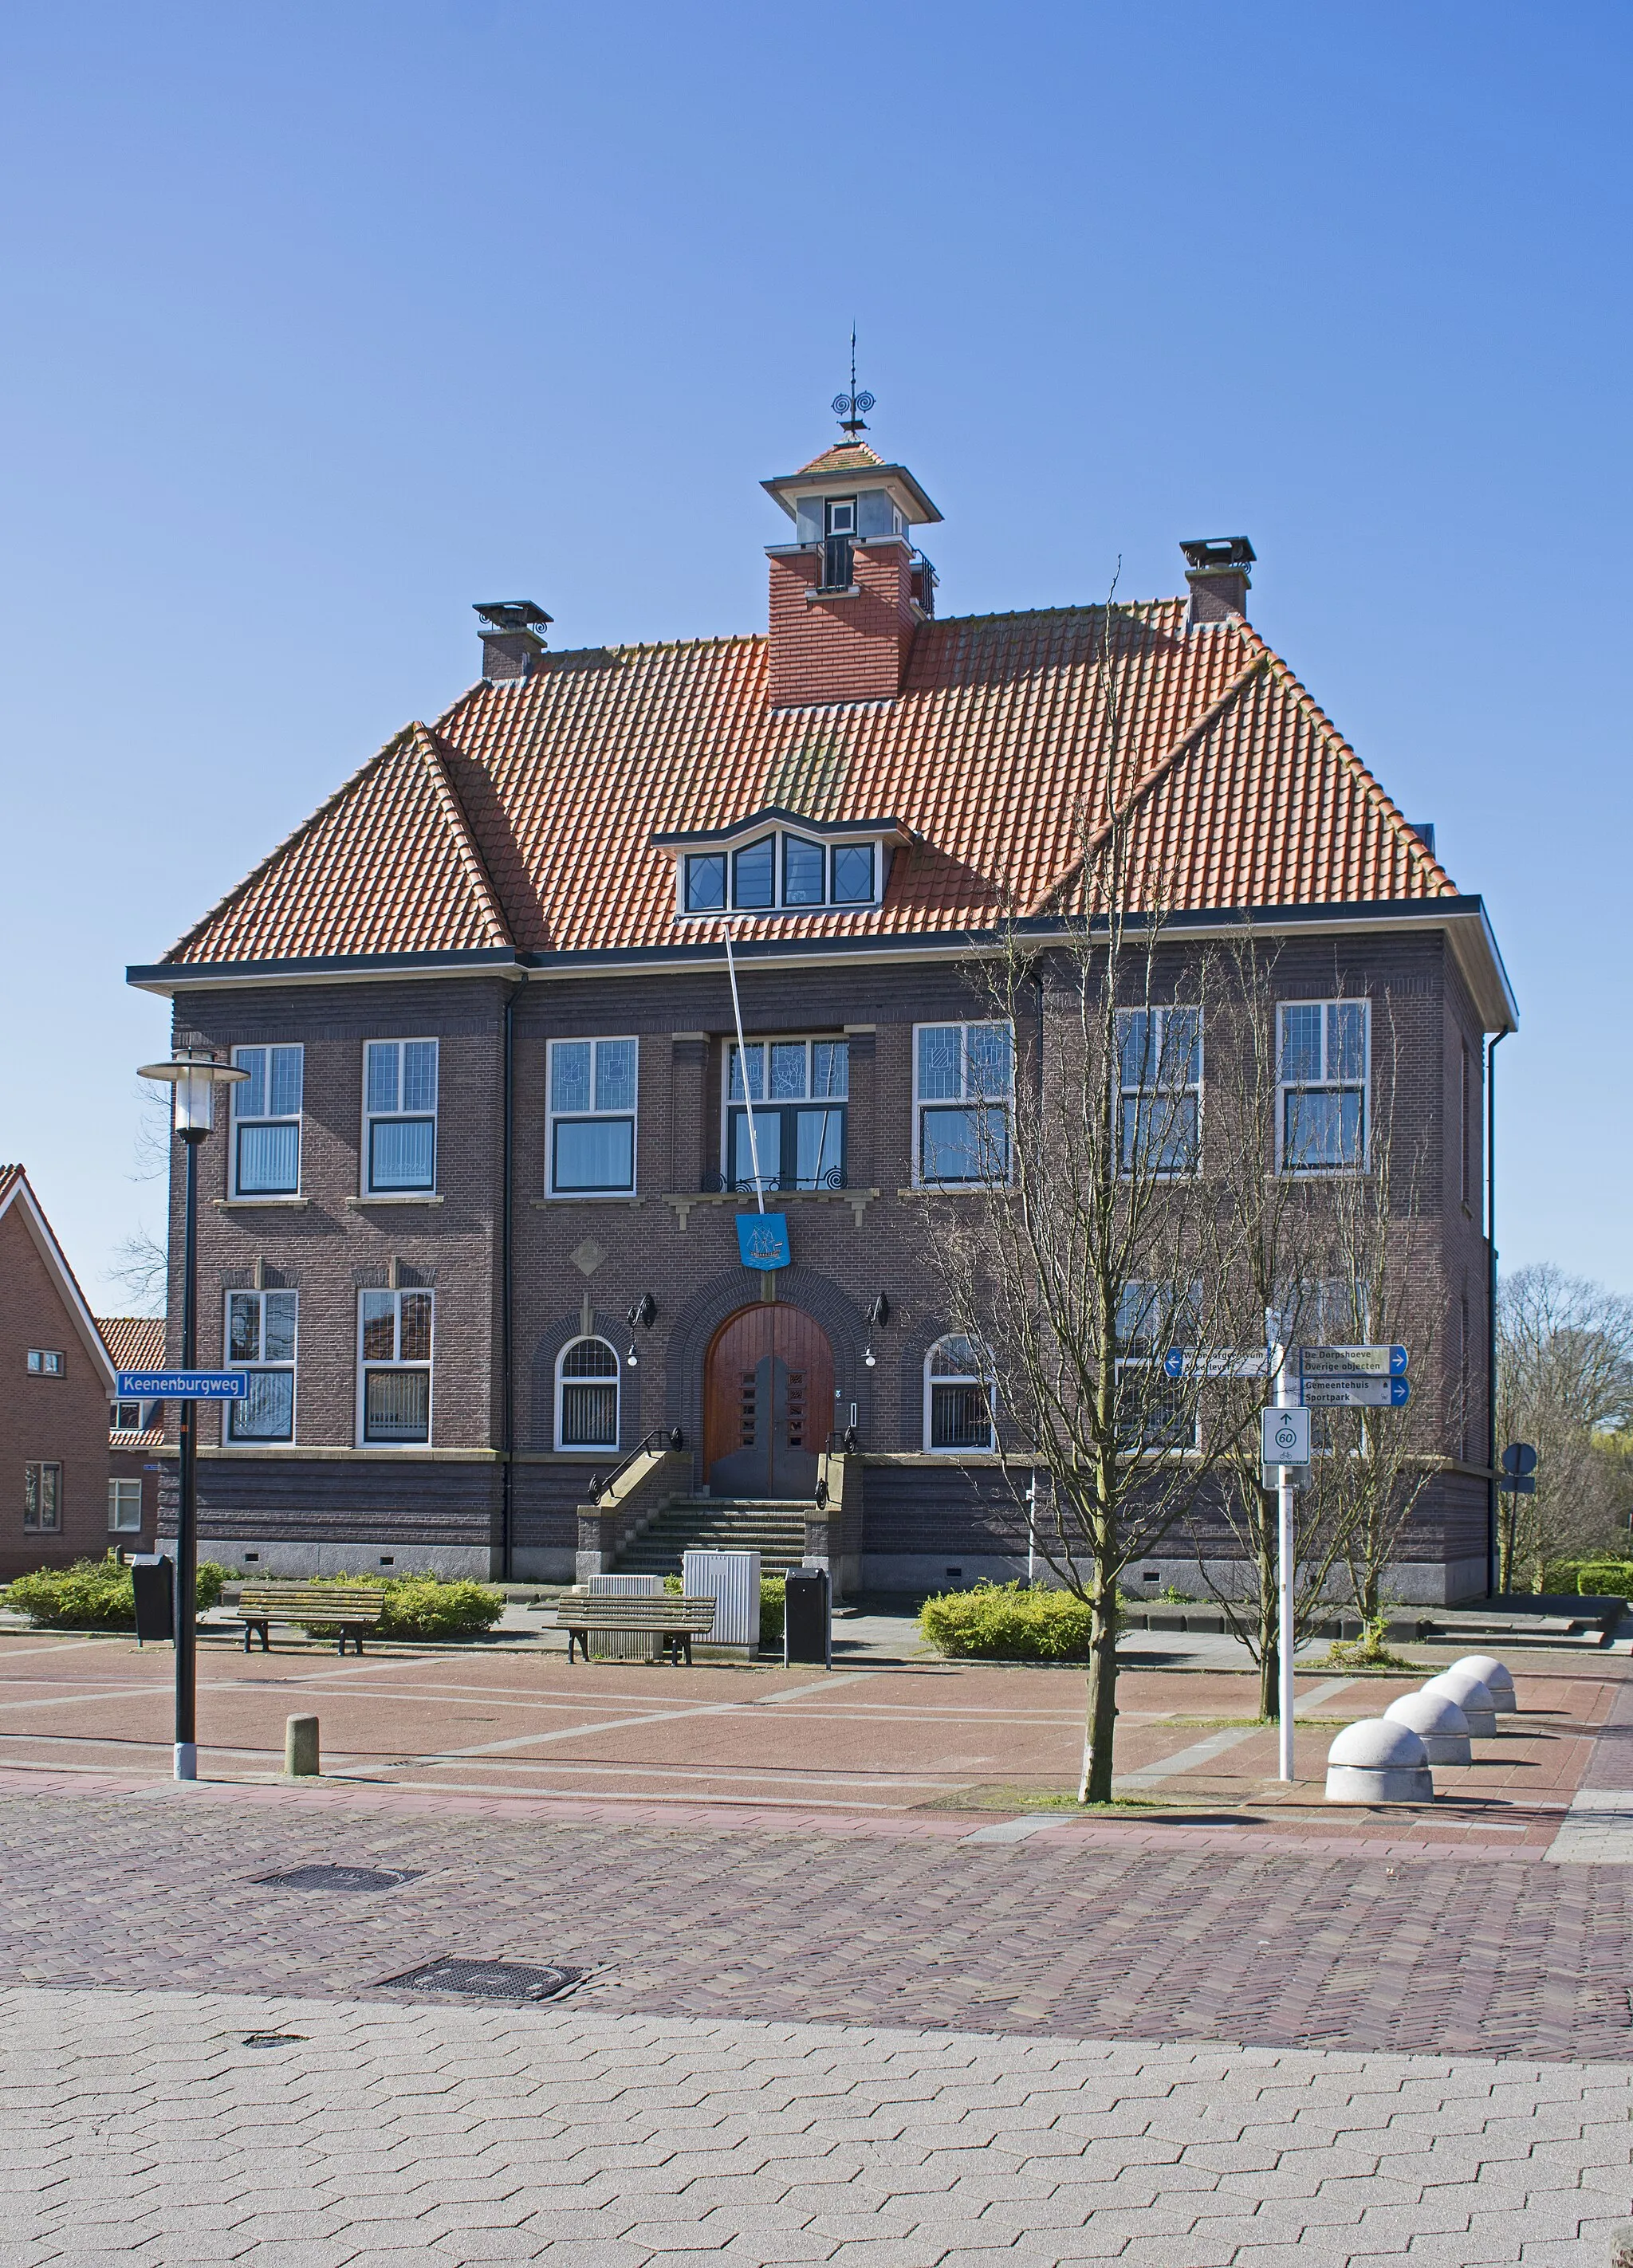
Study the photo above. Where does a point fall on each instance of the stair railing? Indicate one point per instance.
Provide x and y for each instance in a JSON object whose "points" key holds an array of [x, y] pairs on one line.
{"points": [[660, 1438]]}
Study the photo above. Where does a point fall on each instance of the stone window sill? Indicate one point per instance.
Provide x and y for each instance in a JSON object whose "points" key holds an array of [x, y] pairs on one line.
{"points": [[683, 1200], [585, 1196], [399, 1198], [233, 1204]]}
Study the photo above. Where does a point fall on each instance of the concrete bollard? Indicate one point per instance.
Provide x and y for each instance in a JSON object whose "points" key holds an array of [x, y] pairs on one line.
{"points": [[301, 1748], [1494, 1678], [1375, 1762], [1438, 1723], [1473, 1697]]}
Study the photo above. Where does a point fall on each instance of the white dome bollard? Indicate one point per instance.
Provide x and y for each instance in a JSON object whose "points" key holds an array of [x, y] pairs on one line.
{"points": [[1494, 1678], [1375, 1762], [1473, 1697], [1438, 1723]]}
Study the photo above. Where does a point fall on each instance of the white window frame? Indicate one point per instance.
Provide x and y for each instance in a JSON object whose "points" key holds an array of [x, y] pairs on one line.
{"points": [[368, 1186], [933, 1379], [615, 1378], [553, 1117], [40, 1525], [765, 1106], [396, 1362], [47, 1362], [1136, 1092], [116, 1408], [120, 1495], [921, 1102], [259, 1366], [237, 1124], [780, 837], [1326, 1084]]}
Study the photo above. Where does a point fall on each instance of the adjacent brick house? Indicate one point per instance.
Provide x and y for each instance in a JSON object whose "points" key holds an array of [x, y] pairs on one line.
{"points": [[135, 1433], [54, 1411], [471, 1220]]}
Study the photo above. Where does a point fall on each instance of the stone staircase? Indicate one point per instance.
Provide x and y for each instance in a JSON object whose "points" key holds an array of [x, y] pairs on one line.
{"points": [[774, 1527]]}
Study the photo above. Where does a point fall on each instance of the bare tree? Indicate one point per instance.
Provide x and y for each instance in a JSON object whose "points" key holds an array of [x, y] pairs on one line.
{"points": [[141, 1268], [1089, 1244], [1564, 1384]]}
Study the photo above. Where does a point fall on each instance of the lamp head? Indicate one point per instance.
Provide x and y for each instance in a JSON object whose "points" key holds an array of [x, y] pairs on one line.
{"points": [[193, 1075]]}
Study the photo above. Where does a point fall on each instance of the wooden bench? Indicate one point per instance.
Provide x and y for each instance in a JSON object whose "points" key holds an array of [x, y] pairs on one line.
{"points": [[355, 1607], [676, 1621]]}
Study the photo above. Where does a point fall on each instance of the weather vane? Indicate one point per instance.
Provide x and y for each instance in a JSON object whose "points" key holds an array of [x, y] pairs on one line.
{"points": [[852, 408]]}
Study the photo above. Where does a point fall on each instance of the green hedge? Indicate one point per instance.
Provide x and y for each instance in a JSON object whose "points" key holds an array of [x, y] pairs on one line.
{"points": [[1008, 1622], [422, 1606], [1605, 1579], [773, 1606], [94, 1594]]}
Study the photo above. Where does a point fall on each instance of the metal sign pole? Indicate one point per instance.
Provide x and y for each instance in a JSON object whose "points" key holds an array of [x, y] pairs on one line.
{"points": [[1284, 1575], [743, 1058]]}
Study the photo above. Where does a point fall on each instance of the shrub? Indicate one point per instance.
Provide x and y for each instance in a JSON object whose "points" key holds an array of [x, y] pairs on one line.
{"points": [[773, 1608], [422, 1606], [95, 1594], [1605, 1579], [1008, 1622]]}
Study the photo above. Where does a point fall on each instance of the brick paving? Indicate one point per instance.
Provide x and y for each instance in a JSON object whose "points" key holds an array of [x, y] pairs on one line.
{"points": [[144, 2128], [806, 2030]]}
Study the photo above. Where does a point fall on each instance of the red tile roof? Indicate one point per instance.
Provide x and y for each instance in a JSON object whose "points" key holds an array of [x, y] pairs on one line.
{"points": [[524, 818], [134, 1342], [844, 457]]}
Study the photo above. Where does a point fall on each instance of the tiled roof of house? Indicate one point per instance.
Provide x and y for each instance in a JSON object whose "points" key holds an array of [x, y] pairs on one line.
{"points": [[134, 1342], [524, 818]]}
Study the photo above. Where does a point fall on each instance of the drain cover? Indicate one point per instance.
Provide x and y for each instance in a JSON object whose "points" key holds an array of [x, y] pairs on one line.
{"points": [[342, 1878], [489, 1980]]}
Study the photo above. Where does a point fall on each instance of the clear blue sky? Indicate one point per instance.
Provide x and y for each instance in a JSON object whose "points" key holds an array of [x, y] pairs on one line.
{"points": [[322, 321]]}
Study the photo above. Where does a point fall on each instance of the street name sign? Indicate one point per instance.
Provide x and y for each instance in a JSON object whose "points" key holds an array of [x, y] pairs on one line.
{"points": [[1286, 1436], [185, 1385]]}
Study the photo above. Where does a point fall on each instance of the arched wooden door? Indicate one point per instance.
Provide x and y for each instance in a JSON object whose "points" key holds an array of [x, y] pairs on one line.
{"points": [[767, 1403]]}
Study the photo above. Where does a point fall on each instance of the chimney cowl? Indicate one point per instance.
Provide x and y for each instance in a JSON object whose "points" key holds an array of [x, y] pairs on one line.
{"points": [[513, 637], [1216, 570]]}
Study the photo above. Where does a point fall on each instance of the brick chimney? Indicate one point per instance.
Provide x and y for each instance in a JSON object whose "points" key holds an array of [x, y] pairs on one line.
{"points": [[1216, 570], [848, 593], [512, 638]]}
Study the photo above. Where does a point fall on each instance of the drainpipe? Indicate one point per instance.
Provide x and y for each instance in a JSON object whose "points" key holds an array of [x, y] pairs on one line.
{"points": [[1491, 1317], [507, 1429]]}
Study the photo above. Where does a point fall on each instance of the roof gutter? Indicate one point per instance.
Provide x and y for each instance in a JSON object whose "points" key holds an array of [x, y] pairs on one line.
{"points": [[1464, 919]]}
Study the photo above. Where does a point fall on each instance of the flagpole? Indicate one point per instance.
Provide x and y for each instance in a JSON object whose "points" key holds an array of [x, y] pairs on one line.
{"points": [[742, 1057]]}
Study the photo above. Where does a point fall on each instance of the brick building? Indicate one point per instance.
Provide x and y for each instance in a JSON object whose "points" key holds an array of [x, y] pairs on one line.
{"points": [[55, 1409], [471, 1220]]}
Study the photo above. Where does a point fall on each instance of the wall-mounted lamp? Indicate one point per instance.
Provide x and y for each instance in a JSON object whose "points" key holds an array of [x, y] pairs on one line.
{"points": [[870, 1359], [641, 1315], [631, 1358], [678, 1440], [879, 1314]]}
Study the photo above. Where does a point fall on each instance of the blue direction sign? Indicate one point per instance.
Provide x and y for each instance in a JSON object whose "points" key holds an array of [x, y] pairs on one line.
{"points": [[184, 1385], [1355, 1391]]}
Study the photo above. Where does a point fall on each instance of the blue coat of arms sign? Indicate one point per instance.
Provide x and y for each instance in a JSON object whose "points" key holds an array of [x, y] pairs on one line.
{"points": [[762, 1239]]}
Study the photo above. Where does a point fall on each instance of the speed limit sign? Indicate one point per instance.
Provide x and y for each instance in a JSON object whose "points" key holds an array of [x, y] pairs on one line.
{"points": [[1285, 1437]]}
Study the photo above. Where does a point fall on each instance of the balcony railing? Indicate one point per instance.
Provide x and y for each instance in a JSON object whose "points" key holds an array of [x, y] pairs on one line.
{"points": [[745, 1187]]}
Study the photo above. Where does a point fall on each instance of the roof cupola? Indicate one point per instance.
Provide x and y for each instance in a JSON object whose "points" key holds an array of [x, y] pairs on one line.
{"points": [[848, 592]]}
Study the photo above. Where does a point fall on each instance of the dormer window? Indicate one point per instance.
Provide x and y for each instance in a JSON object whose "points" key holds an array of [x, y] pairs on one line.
{"points": [[772, 861], [781, 874]]}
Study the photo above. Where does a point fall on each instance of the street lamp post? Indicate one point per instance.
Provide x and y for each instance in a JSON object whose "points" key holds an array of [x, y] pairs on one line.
{"points": [[192, 1076]]}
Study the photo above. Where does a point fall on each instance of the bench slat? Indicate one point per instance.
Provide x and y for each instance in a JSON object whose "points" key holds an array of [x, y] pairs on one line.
{"points": [[294, 1602], [636, 1613]]}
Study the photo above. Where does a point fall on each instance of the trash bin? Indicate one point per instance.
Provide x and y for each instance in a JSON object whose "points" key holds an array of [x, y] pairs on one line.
{"points": [[807, 1617], [152, 1578]]}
